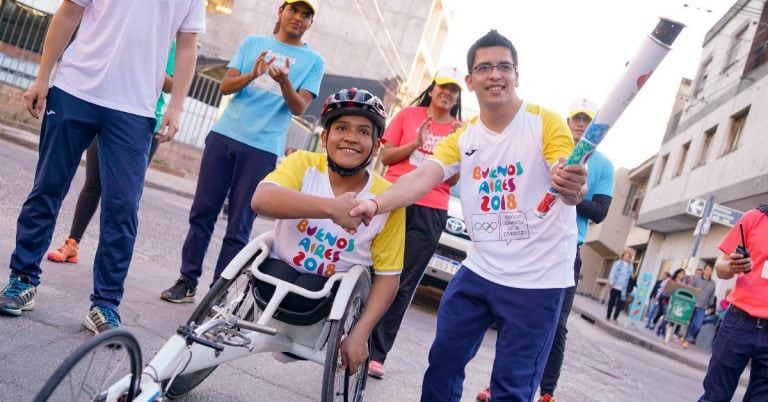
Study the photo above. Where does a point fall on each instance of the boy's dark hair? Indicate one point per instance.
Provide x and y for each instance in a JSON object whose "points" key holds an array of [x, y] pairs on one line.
{"points": [[424, 99], [492, 38]]}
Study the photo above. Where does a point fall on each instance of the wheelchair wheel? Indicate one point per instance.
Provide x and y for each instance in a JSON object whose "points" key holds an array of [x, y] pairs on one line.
{"points": [[96, 365], [338, 384], [233, 294]]}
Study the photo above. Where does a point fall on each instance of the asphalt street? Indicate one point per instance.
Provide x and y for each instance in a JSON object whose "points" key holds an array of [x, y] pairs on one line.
{"points": [[598, 367]]}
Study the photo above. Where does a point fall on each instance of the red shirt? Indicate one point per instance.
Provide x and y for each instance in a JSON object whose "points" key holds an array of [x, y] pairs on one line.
{"points": [[403, 130], [751, 291]]}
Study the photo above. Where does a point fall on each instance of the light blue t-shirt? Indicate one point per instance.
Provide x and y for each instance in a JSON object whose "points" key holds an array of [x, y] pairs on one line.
{"points": [[599, 181], [258, 115]]}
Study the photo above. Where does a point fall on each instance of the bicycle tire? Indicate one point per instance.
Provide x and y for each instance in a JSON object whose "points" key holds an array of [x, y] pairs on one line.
{"points": [[242, 284], [116, 341], [336, 381]]}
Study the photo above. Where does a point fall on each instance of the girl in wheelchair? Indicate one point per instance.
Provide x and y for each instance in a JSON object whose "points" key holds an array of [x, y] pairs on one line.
{"points": [[310, 195]]}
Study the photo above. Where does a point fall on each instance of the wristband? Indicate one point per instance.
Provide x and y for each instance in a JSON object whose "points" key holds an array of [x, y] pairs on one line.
{"points": [[377, 206]]}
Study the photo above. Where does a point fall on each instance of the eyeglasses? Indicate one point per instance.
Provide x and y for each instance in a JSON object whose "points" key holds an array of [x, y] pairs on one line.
{"points": [[486, 68]]}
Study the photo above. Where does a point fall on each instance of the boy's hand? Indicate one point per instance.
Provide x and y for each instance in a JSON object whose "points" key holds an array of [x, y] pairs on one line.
{"points": [[569, 181], [169, 126], [280, 75], [35, 97], [261, 65], [366, 210], [340, 213], [354, 351]]}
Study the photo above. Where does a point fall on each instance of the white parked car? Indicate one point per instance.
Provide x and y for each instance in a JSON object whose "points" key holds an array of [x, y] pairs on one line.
{"points": [[452, 248]]}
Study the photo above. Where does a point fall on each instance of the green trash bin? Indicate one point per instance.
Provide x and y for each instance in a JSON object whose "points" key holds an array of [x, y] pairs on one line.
{"points": [[680, 308]]}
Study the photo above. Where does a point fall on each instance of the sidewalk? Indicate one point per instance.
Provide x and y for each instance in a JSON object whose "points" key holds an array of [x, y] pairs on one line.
{"points": [[635, 332], [155, 179]]}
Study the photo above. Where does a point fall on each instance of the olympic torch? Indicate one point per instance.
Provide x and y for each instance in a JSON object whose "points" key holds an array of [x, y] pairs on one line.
{"points": [[649, 55]]}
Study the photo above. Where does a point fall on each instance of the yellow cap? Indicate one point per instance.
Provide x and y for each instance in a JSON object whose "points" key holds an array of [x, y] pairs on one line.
{"points": [[448, 75], [585, 106], [310, 3]]}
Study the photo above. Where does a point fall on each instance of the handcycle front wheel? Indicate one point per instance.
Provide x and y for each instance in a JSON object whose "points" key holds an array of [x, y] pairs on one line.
{"points": [[338, 384], [97, 364], [233, 295]]}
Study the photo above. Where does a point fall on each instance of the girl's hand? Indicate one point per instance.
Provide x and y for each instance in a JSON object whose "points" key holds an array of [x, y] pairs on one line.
{"points": [[354, 351]]}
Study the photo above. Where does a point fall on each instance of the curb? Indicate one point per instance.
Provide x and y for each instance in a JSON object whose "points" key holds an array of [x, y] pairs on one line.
{"points": [[29, 143], [627, 336]]}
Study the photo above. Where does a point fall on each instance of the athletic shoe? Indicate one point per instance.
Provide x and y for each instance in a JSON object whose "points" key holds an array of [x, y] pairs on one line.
{"points": [[18, 296], [101, 319], [484, 395], [183, 291], [375, 369], [66, 253], [546, 398]]}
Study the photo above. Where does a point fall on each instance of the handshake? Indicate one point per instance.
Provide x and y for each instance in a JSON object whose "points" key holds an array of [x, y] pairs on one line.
{"points": [[349, 212]]}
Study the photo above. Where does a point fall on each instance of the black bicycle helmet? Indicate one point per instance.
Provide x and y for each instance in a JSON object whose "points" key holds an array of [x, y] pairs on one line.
{"points": [[353, 101], [357, 102]]}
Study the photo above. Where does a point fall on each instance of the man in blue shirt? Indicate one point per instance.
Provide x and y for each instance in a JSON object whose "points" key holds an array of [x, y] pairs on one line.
{"points": [[594, 207], [272, 78]]}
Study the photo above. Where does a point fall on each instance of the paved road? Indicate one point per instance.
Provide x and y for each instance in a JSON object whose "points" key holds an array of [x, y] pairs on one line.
{"points": [[598, 367]]}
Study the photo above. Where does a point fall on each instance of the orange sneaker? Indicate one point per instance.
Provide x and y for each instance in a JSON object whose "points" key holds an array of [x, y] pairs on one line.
{"points": [[66, 253], [546, 398]]}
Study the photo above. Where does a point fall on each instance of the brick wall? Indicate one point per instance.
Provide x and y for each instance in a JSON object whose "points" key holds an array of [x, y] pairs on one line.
{"points": [[12, 106]]}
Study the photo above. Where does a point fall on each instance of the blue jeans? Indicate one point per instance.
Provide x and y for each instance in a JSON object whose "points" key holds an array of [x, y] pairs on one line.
{"points": [[738, 341], [696, 320], [526, 320], [232, 168], [69, 126], [651, 313]]}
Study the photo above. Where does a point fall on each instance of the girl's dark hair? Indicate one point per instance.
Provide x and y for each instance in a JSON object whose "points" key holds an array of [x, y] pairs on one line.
{"points": [[424, 99], [492, 38], [677, 271]]}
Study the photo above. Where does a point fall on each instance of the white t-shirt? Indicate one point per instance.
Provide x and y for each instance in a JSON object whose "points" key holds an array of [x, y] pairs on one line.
{"points": [[118, 56], [322, 247], [503, 178]]}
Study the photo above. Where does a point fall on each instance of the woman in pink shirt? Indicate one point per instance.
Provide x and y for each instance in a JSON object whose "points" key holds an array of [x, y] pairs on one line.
{"points": [[409, 140]]}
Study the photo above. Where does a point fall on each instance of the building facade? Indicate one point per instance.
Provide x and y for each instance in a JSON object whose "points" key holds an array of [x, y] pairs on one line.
{"points": [[714, 149]]}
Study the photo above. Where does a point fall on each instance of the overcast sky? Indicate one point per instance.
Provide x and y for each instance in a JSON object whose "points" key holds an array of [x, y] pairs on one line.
{"points": [[574, 49]]}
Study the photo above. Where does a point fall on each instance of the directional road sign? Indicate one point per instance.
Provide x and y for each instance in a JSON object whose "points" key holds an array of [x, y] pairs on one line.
{"points": [[696, 207], [725, 216]]}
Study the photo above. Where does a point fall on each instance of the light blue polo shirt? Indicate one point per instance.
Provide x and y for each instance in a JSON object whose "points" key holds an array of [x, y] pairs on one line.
{"points": [[258, 115]]}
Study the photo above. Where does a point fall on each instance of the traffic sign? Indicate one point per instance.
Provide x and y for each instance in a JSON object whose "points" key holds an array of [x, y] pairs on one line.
{"points": [[696, 207], [725, 216]]}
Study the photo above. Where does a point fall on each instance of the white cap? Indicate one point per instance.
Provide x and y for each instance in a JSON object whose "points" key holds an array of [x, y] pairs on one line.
{"points": [[448, 75], [585, 106]]}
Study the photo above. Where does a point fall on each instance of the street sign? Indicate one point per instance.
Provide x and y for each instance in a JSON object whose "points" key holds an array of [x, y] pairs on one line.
{"points": [[725, 216], [696, 207]]}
